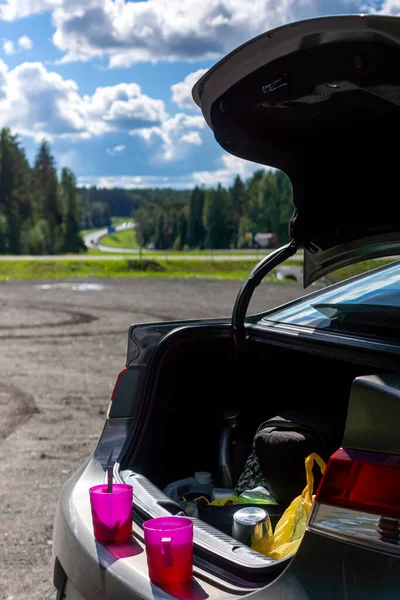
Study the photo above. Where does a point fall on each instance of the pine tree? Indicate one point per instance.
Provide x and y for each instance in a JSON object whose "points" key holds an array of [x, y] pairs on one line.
{"points": [[196, 233], [15, 201], [46, 187], [160, 232], [245, 228], [180, 240], [182, 228], [238, 199], [145, 219], [170, 226], [217, 219], [72, 240]]}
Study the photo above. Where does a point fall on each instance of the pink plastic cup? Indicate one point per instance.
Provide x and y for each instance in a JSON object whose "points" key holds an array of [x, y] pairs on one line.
{"points": [[112, 513], [169, 547]]}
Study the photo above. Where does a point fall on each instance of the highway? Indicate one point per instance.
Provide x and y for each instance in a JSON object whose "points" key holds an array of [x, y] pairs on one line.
{"points": [[92, 240]]}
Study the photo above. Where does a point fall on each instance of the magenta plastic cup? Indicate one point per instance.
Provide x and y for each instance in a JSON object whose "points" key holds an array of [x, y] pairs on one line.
{"points": [[112, 513], [169, 548]]}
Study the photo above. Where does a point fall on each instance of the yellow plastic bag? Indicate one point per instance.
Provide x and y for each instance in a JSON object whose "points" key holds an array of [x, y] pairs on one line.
{"points": [[290, 528]]}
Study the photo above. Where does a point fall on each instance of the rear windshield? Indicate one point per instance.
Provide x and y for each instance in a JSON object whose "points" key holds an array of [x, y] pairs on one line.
{"points": [[369, 305]]}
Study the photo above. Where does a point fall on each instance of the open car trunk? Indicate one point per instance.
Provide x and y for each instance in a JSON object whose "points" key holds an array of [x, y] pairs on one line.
{"points": [[195, 380], [320, 100]]}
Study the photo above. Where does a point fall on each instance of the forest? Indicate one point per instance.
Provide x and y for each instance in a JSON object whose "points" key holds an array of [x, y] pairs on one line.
{"points": [[218, 218], [98, 205], [39, 212], [43, 213]]}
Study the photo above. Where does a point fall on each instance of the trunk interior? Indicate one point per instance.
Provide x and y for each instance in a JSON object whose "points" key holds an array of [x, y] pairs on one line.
{"points": [[198, 379]]}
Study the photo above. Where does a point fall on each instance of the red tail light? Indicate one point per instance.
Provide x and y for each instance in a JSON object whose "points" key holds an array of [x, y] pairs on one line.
{"points": [[117, 382], [365, 481]]}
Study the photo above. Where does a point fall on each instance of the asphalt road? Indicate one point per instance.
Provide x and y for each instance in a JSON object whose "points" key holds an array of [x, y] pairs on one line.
{"points": [[62, 345], [92, 240]]}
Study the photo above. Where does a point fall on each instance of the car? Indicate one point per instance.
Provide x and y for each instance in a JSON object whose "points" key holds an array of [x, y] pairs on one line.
{"points": [[266, 240], [319, 99], [289, 273]]}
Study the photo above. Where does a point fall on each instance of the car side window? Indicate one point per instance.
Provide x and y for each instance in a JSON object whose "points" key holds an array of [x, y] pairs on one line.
{"points": [[369, 300]]}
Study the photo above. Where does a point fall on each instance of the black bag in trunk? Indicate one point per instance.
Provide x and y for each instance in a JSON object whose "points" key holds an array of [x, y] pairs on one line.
{"points": [[283, 443]]}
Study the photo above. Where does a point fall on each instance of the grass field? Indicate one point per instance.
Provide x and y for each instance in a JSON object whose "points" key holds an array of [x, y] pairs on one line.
{"points": [[132, 266], [114, 221], [166, 253], [65, 269], [121, 239]]}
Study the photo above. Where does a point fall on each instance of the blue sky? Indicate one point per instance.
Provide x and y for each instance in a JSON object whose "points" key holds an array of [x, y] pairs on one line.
{"points": [[108, 82]]}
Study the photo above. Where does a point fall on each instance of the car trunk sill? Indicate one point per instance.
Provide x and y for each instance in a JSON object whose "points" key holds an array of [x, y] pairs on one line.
{"points": [[239, 564]]}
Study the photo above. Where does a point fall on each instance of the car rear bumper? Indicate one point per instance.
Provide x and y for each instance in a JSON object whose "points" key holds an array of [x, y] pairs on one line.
{"points": [[324, 567], [95, 571]]}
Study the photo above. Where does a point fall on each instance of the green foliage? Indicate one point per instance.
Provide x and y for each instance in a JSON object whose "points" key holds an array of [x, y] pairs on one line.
{"points": [[74, 268], [196, 232], [100, 205], [94, 212], [219, 218], [121, 239], [38, 214], [47, 197], [15, 199], [163, 223], [72, 240], [218, 221]]}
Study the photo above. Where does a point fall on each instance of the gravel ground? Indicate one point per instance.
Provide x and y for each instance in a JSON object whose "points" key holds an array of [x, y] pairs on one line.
{"points": [[62, 345]]}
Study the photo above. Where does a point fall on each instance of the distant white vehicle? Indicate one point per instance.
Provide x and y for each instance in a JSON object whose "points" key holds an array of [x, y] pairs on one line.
{"points": [[292, 273], [262, 240]]}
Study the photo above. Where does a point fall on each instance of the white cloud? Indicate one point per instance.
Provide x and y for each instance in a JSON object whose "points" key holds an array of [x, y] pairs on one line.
{"points": [[3, 80], [25, 43], [176, 134], [231, 166], [165, 30], [116, 150], [137, 181], [170, 30], [37, 103], [192, 137], [11, 10], [40, 103], [390, 7], [8, 47], [70, 159], [123, 106], [182, 91]]}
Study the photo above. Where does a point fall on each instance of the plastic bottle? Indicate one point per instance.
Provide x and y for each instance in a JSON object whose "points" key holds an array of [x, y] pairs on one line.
{"points": [[201, 484], [258, 495], [225, 474]]}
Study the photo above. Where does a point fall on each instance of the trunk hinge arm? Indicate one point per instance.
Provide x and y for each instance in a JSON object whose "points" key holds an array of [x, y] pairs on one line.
{"points": [[264, 267]]}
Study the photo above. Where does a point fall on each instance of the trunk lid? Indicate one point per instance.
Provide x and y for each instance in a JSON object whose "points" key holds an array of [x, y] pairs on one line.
{"points": [[320, 100]]}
